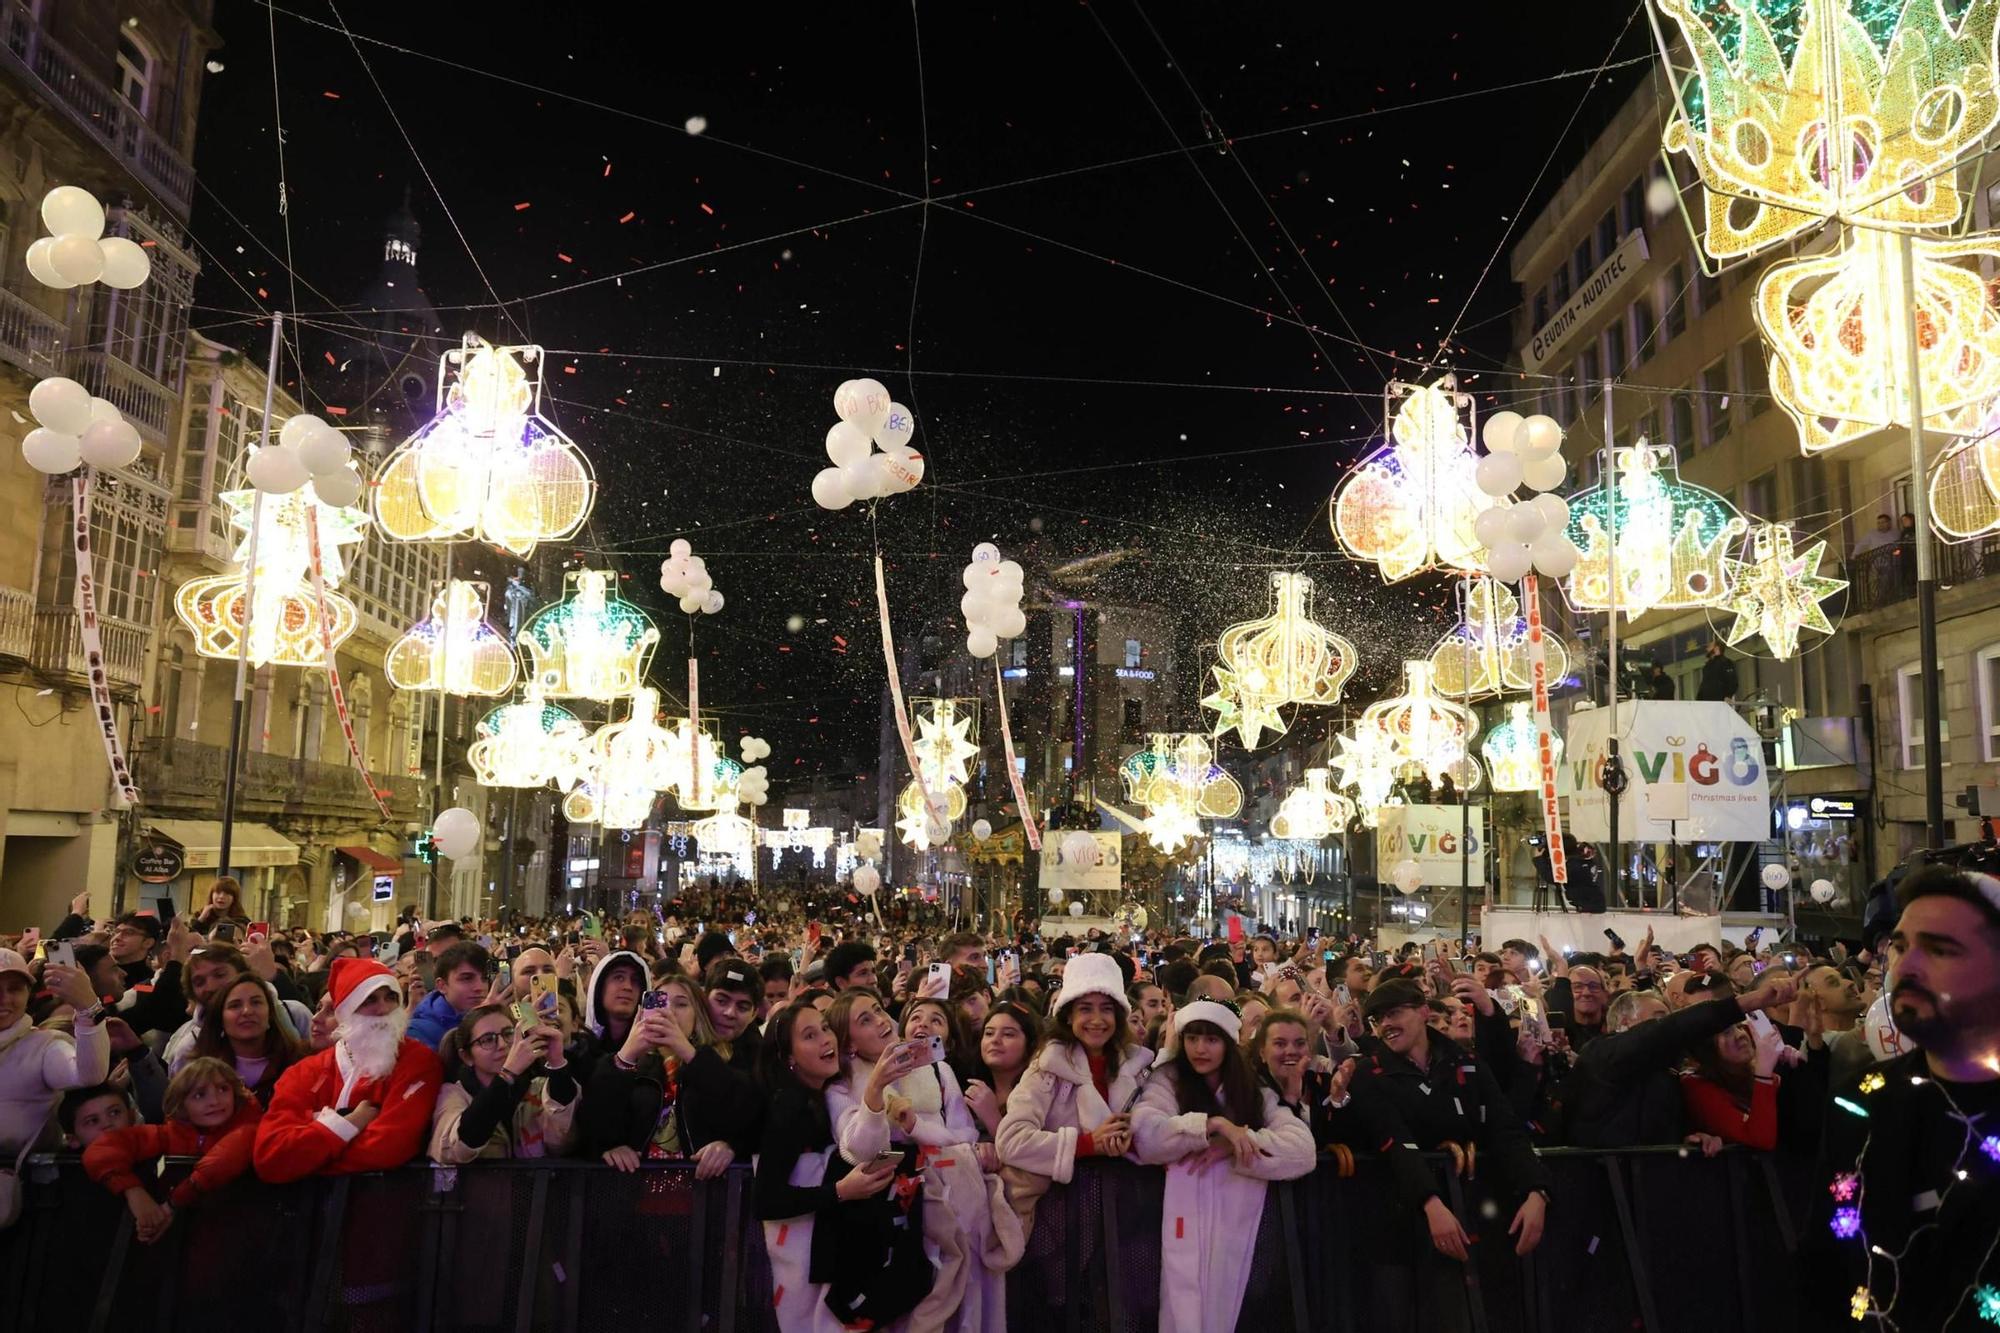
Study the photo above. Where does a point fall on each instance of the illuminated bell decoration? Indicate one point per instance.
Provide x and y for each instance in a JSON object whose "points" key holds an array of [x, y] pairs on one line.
{"points": [[1779, 592], [1410, 505], [1176, 780], [1965, 486], [1312, 811], [1674, 539], [727, 834], [1487, 652], [593, 644], [625, 766], [284, 622], [525, 744], [1420, 730], [453, 648], [1284, 658], [488, 467], [1511, 751]]}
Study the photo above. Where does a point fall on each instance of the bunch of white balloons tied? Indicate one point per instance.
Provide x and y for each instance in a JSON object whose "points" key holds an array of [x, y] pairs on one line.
{"points": [[1532, 533], [867, 418], [992, 601], [77, 252], [684, 577], [754, 786], [867, 851], [1407, 876], [307, 450], [76, 428]]}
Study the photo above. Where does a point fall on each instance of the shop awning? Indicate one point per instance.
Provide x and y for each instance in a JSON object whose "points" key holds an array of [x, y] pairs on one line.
{"points": [[250, 844], [380, 862]]}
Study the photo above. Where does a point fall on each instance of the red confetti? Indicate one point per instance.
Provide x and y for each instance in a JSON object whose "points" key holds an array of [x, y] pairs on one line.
{"points": [[522, 207], [607, 168], [261, 292], [706, 209], [336, 411], [329, 358], [331, 96], [627, 218], [565, 258]]}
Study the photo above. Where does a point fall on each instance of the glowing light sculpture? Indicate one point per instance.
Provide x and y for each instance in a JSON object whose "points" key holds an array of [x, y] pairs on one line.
{"points": [[1779, 592], [529, 743], [1281, 659], [624, 767], [1964, 486], [944, 751], [1510, 750], [1486, 653], [1365, 763], [700, 774], [1674, 539], [593, 644], [488, 467], [1176, 780], [1421, 731], [1409, 506], [1312, 810], [453, 648], [280, 612]]}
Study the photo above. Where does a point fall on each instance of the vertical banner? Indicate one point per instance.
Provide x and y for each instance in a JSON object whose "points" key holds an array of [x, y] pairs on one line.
{"points": [[1014, 773], [93, 641], [332, 666], [1545, 751], [694, 730], [896, 694]]}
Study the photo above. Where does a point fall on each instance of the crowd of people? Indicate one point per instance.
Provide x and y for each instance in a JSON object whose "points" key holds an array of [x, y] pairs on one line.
{"points": [[907, 1093]]}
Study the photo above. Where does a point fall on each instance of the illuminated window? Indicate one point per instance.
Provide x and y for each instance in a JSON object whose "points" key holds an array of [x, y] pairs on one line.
{"points": [[1132, 652]]}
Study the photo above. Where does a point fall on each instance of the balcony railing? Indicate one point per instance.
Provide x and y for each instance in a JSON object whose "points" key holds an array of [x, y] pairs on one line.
{"points": [[146, 403], [58, 647], [1888, 574], [17, 623], [96, 108], [177, 774], [30, 337]]}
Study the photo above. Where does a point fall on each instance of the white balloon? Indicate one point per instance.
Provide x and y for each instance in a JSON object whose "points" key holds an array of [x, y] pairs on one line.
{"points": [[1508, 561], [903, 468], [1545, 474], [680, 549], [1497, 474], [457, 832], [339, 488], [1079, 846], [1076, 909], [1011, 623], [110, 444], [1554, 555], [103, 409], [294, 433], [866, 480], [357, 911], [867, 879], [42, 265], [847, 444], [1490, 526], [126, 263], [71, 208], [981, 643], [829, 490], [51, 451], [898, 428], [1498, 432], [1055, 897], [276, 471], [1879, 1026], [1775, 877], [324, 450], [1822, 891], [1407, 876], [981, 829], [1554, 508], [77, 258], [864, 402], [1544, 435], [712, 601], [691, 604], [1009, 571], [986, 553], [1525, 524], [61, 404]]}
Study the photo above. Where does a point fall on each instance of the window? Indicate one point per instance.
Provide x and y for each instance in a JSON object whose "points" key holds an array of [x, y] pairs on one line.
{"points": [[1714, 402], [1135, 718], [1644, 330], [1607, 234], [1675, 295], [1587, 375], [1910, 713], [1541, 307], [1649, 428], [1560, 288], [1760, 495], [1019, 651], [1614, 350], [135, 71], [1580, 261], [1634, 204], [1708, 291], [1756, 380], [1562, 402], [1132, 652], [1986, 674], [127, 530], [1680, 421]]}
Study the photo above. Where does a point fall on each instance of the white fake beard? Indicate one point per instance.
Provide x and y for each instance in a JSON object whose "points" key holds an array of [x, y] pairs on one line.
{"points": [[372, 1041]]}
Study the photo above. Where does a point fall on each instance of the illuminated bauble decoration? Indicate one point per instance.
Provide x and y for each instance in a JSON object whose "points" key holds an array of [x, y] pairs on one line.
{"points": [[1964, 486], [1674, 539], [1487, 652], [1512, 752], [1411, 505], [281, 611], [488, 467], [526, 744], [1284, 658], [1176, 780], [624, 767], [453, 648], [922, 831], [1778, 593], [1419, 730], [1312, 810], [593, 644]]}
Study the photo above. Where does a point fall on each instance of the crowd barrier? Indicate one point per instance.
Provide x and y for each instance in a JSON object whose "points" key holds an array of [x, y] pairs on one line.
{"points": [[1639, 1239]]}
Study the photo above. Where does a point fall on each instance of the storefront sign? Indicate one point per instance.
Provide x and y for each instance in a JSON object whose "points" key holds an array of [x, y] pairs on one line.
{"points": [[1706, 746], [157, 863], [1830, 807], [1436, 837], [385, 888], [1612, 275]]}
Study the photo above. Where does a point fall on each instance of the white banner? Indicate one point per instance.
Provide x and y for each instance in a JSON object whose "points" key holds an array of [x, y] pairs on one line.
{"points": [[1706, 746], [1100, 874], [1618, 268], [1431, 835]]}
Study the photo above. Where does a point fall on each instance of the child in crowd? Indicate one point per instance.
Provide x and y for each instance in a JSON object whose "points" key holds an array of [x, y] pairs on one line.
{"points": [[210, 1115]]}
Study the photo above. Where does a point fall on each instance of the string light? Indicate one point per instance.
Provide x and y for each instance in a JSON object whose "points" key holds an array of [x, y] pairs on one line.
{"points": [[282, 616], [1487, 652], [1673, 538], [1410, 505], [1778, 593], [592, 644], [1282, 658], [453, 648], [529, 743], [1846, 1223]]}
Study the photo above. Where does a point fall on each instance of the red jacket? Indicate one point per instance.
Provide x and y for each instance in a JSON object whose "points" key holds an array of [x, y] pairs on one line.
{"points": [[224, 1153], [1711, 1110], [298, 1135]]}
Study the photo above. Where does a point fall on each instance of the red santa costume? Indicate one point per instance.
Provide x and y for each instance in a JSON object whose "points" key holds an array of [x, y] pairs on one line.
{"points": [[306, 1131]]}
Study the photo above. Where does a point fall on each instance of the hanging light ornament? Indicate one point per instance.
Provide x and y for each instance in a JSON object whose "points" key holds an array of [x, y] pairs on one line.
{"points": [[1283, 658], [1486, 653], [1410, 505], [1779, 592], [530, 743], [1176, 780], [1419, 731], [488, 467], [453, 649], [944, 751], [593, 644], [1510, 750], [1674, 539], [1313, 810], [624, 767], [700, 773], [1366, 763], [281, 611], [1964, 486]]}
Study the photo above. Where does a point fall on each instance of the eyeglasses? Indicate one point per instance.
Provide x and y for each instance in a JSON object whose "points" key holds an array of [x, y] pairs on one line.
{"points": [[1587, 987], [487, 1041]]}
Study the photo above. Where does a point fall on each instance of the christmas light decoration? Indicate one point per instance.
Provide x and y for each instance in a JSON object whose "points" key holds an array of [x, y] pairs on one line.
{"points": [[1176, 780], [1844, 1186], [1673, 538], [1990, 1145], [700, 773], [1366, 763], [1987, 1301], [1487, 652], [943, 750], [281, 615], [1965, 486], [1872, 1081], [593, 644], [453, 649], [488, 467], [1512, 752], [529, 743], [1420, 731], [921, 831], [1283, 658], [1410, 505], [1858, 1303], [1778, 593], [727, 835], [1312, 810], [624, 767]]}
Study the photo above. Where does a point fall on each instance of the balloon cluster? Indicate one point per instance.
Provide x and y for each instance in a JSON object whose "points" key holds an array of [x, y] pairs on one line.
{"points": [[77, 252], [867, 850], [684, 576], [307, 450], [455, 832], [76, 428], [867, 418], [992, 601], [1526, 534], [753, 785]]}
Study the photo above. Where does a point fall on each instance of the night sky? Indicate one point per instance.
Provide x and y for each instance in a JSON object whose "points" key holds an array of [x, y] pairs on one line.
{"points": [[1170, 257]]}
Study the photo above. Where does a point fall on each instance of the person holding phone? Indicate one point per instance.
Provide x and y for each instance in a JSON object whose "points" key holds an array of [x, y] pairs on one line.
{"points": [[508, 1090], [39, 1064]]}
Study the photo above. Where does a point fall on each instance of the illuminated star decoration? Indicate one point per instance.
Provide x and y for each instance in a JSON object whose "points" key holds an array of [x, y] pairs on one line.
{"points": [[1778, 593], [593, 644], [1409, 506], [1312, 810], [1673, 539], [1846, 1223], [1365, 763], [283, 620], [453, 648], [525, 744], [1512, 751], [1987, 1299], [945, 750], [1283, 658], [1858, 1303], [1177, 782], [1487, 652]]}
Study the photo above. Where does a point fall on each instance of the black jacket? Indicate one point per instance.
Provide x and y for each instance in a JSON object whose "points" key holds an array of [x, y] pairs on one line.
{"points": [[716, 1100], [1718, 678], [1624, 1089], [1454, 1098], [153, 1003]]}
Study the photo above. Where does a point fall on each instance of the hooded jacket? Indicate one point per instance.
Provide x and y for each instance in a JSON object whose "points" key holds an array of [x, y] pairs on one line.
{"points": [[113, 1160], [588, 1042], [37, 1065], [433, 1018]]}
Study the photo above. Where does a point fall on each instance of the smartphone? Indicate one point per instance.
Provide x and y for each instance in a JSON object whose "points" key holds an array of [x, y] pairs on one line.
{"points": [[910, 953], [427, 968], [572, 937], [1612, 935], [887, 1155], [653, 999], [1342, 995], [544, 988], [62, 953], [259, 932], [166, 911], [931, 1050], [1327, 957], [1760, 1023], [524, 1015]]}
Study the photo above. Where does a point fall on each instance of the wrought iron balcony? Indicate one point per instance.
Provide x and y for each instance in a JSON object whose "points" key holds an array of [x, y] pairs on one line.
{"points": [[58, 648], [177, 774], [17, 623], [1887, 574], [30, 337]]}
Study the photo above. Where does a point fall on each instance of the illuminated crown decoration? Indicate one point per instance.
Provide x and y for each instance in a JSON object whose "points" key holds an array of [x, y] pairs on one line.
{"points": [[1284, 658], [944, 750], [488, 467], [1486, 653], [526, 744], [1779, 592], [1512, 750], [453, 648], [1965, 485], [624, 767], [1420, 731], [1674, 539], [1409, 506], [1176, 780], [593, 644], [281, 611], [1313, 810]]}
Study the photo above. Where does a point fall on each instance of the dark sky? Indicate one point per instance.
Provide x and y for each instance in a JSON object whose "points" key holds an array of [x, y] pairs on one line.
{"points": [[1172, 254]]}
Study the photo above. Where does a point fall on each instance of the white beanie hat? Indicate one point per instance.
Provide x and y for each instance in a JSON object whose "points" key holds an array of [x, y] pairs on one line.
{"points": [[1091, 974], [1202, 1011]]}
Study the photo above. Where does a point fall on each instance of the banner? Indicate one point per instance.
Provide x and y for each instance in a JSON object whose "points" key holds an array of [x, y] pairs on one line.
{"points": [[1545, 756], [1098, 874], [1707, 746], [92, 639], [1431, 835], [1013, 771]]}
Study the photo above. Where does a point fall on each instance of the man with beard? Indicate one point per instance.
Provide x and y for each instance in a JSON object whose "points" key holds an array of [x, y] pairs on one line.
{"points": [[1901, 1154], [364, 1103]]}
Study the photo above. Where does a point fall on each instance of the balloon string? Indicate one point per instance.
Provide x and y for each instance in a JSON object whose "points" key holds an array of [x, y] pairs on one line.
{"points": [[1013, 771], [896, 690], [313, 569]]}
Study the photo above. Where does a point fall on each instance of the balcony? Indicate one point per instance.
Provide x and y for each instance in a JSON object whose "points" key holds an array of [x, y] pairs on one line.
{"points": [[37, 59], [1888, 574], [57, 648], [178, 774], [17, 623], [30, 338], [146, 403]]}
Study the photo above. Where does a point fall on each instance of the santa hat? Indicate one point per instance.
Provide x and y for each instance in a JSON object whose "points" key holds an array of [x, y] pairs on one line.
{"points": [[354, 980], [1203, 1011], [1091, 974]]}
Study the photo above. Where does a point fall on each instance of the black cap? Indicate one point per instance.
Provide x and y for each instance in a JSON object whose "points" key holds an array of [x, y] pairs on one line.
{"points": [[734, 974], [1387, 995], [711, 946]]}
